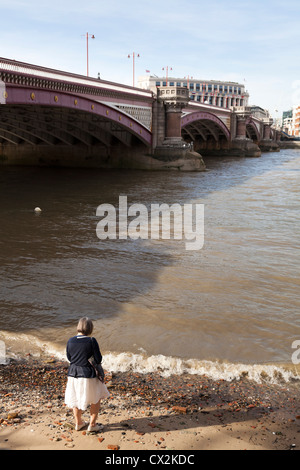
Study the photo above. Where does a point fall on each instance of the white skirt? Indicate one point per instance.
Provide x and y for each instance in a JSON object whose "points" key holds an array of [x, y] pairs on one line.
{"points": [[81, 392]]}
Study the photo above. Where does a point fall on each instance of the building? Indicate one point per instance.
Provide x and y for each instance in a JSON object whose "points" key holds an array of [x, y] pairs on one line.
{"points": [[296, 121], [287, 114], [259, 112], [216, 93], [287, 126], [291, 121], [287, 122]]}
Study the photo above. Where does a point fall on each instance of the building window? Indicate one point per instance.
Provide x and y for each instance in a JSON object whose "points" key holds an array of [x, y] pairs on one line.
{"points": [[221, 89], [215, 87], [209, 87], [178, 83], [185, 84], [157, 83], [199, 98], [191, 86], [230, 89], [171, 83], [197, 86], [164, 83]]}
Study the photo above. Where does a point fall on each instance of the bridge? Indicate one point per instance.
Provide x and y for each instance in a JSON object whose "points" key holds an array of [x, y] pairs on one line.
{"points": [[51, 117]]}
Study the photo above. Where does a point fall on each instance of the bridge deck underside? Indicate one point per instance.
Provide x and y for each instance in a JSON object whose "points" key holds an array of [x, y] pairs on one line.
{"points": [[46, 125], [252, 132], [203, 130]]}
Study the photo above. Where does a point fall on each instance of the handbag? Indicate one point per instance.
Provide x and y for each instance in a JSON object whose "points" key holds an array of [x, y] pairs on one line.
{"points": [[98, 369]]}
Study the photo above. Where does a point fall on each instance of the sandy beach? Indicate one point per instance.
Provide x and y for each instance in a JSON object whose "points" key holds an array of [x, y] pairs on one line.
{"points": [[146, 412]]}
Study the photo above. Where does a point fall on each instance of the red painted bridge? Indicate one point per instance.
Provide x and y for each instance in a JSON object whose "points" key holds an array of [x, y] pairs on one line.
{"points": [[53, 117]]}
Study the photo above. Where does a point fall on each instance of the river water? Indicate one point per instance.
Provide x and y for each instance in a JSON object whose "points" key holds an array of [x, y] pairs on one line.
{"points": [[226, 309]]}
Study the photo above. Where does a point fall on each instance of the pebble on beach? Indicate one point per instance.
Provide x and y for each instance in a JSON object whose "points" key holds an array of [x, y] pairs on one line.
{"points": [[32, 393]]}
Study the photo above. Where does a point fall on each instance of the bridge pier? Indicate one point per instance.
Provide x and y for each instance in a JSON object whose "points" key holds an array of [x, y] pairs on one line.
{"points": [[171, 149], [241, 145], [267, 144]]}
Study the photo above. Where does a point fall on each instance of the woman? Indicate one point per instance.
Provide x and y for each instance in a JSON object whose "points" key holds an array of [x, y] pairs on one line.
{"points": [[83, 387]]}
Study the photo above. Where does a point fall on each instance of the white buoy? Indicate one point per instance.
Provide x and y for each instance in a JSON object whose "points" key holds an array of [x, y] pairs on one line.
{"points": [[37, 209]]}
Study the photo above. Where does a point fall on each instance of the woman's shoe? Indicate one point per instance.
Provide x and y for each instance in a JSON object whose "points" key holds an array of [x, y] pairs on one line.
{"points": [[80, 426], [96, 428]]}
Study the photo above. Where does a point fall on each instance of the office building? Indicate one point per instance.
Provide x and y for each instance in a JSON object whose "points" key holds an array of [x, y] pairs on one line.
{"points": [[213, 92]]}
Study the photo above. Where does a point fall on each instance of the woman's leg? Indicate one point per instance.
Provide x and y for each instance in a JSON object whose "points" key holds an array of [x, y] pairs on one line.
{"points": [[77, 415], [94, 413]]}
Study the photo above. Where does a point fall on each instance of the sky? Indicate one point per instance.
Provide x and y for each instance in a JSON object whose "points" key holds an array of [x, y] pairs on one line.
{"points": [[256, 43]]}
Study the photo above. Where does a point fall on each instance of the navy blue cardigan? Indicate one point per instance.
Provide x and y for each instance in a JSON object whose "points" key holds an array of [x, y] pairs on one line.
{"points": [[79, 350]]}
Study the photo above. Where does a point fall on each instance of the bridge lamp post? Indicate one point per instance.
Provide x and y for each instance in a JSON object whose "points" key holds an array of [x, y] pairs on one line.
{"points": [[188, 81], [167, 69], [87, 51], [133, 65]]}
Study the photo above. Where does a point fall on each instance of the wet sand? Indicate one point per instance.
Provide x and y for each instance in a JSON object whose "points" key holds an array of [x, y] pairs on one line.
{"points": [[147, 412]]}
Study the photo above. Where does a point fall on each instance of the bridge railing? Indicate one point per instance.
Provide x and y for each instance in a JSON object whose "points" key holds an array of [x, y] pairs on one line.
{"points": [[262, 116], [23, 68], [2, 92], [241, 109]]}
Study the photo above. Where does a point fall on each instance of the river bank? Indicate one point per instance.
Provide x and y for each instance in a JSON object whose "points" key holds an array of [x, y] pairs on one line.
{"points": [[147, 412], [286, 144]]}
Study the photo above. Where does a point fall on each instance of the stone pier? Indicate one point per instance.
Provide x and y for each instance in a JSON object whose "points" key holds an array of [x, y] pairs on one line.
{"points": [[171, 149], [267, 144], [241, 145]]}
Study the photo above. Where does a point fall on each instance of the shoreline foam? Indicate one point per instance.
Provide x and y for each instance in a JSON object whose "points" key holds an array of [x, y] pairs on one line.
{"points": [[166, 366]]}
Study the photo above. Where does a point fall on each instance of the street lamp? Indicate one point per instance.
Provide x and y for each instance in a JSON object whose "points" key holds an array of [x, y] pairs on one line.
{"points": [[188, 81], [167, 69], [87, 50], [133, 65]]}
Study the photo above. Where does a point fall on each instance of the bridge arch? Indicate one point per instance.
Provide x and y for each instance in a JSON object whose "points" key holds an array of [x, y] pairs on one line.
{"points": [[57, 117], [252, 131], [204, 125]]}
